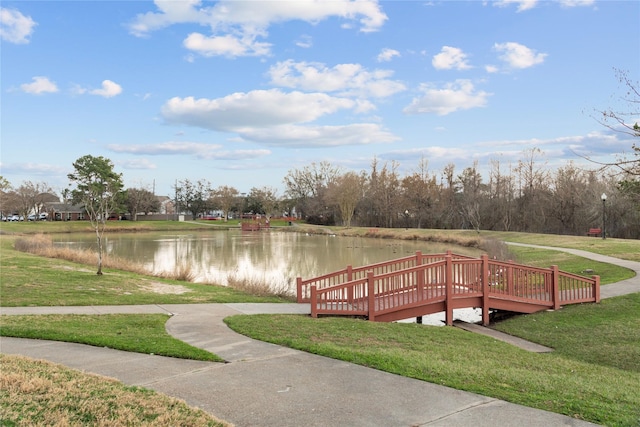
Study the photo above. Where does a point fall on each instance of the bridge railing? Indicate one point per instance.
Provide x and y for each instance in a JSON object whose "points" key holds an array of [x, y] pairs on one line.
{"points": [[480, 282], [303, 287]]}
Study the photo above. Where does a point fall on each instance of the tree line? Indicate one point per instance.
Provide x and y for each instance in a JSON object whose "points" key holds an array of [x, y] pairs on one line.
{"points": [[526, 197]]}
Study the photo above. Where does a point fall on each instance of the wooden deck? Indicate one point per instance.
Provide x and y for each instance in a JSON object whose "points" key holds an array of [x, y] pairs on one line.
{"points": [[426, 284]]}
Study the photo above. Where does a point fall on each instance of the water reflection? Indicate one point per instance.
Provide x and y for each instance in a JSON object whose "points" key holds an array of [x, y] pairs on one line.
{"points": [[270, 257]]}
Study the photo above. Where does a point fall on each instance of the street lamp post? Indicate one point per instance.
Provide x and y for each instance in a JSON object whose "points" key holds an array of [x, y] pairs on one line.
{"points": [[406, 219], [604, 216]]}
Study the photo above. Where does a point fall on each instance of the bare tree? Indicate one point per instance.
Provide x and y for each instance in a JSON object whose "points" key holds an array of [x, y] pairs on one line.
{"points": [[501, 194], [31, 197], [308, 185], [263, 200], [419, 191], [471, 196], [5, 197], [140, 200], [533, 199], [384, 194], [224, 198], [345, 192], [569, 199], [447, 204]]}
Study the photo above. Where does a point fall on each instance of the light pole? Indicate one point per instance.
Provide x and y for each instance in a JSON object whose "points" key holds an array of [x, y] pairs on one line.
{"points": [[604, 216], [406, 219]]}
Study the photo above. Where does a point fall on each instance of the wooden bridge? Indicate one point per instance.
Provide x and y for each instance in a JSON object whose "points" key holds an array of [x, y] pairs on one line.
{"points": [[421, 284]]}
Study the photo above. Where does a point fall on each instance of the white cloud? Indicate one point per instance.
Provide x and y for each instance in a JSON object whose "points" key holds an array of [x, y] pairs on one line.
{"points": [[305, 41], [31, 169], [236, 25], [455, 96], [137, 164], [227, 45], [320, 136], [522, 4], [450, 58], [197, 149], [39, 86], [345, 79], [576, 3], [530, 4], [433, 152], [518, 56], [252, 117], [255, 108], [387, 55], [491, 69], [109, 89], [15, 27]]}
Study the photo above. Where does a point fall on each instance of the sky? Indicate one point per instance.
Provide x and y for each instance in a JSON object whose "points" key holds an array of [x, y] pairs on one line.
{"points": [[239, 93]]}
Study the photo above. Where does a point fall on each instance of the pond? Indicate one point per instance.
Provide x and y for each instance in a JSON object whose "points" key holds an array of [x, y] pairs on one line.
{"points": [[270, 257]]}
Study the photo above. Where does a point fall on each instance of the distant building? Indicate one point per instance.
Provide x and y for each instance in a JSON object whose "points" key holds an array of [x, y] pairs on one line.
{"points": [[64, 211]]}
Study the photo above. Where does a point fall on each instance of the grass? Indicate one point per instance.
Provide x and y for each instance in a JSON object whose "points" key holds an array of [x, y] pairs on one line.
{"points": [[141, 333], [608, 273], [605, 334], [578, 382], [38, 227], [42, 393], [619, 248], [593, 374], [30, 280]]}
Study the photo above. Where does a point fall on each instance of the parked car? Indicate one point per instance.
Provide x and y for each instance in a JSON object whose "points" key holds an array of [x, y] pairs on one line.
{"points": [[15, 217], [41, 217]]}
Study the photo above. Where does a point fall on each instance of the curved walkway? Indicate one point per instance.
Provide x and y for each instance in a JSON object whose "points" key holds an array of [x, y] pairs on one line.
{"points": [[623, 287], [267, 385]]}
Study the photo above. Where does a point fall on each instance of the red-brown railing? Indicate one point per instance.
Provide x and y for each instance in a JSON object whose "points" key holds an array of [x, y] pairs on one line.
{"points": [[303, 287], [445, 282]]}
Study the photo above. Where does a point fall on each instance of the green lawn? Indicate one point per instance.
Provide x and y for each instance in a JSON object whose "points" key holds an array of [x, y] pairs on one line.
{"points": [[29, 280], [593, 374], [141, 333]]}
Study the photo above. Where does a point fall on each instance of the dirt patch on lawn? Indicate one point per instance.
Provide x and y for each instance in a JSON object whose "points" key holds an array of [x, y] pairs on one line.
{"points": [[163, 288]]}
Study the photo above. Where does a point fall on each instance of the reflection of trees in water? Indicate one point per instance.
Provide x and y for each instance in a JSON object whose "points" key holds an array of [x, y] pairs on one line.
{"points": [[268, 256]]}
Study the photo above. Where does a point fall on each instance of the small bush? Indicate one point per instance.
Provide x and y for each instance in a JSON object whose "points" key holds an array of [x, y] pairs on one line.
{"points": [[183, 272], [260, 287], [42, 245]]}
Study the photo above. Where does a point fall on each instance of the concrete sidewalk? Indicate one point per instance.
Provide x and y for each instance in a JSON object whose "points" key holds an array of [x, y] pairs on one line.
{"points": [[623, 287], [267, 385]]}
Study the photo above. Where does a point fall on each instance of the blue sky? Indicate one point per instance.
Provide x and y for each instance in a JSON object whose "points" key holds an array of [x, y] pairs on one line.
{"points": [[240, 92]]}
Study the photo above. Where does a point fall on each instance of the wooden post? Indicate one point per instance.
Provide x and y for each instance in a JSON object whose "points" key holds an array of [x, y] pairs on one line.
{"points": [[371, 297], [299, 289], [350, 289], [314, 302], [555, 286], [510, 279], [449, 289], [486, 287], [596, 290], [419, 277]]}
